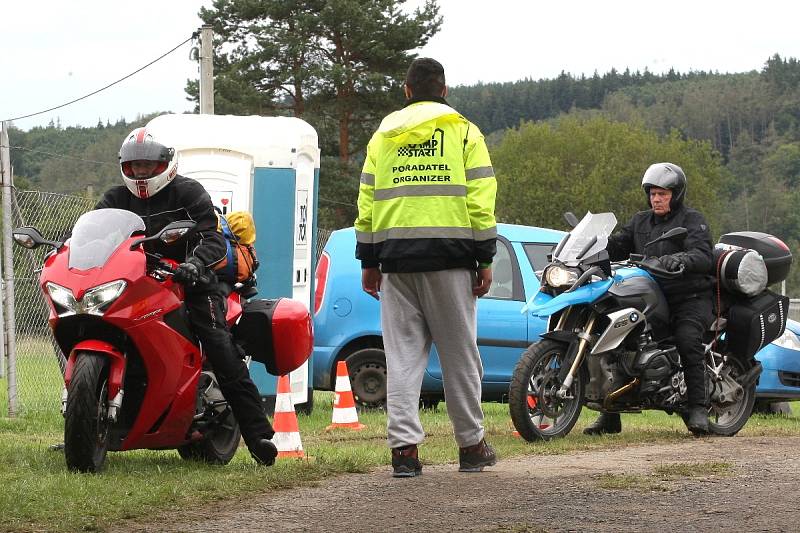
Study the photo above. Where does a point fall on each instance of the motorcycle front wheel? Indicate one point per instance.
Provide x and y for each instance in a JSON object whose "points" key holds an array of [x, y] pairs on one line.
{"points": [[86, 422], [727, 419], [537, 411]]}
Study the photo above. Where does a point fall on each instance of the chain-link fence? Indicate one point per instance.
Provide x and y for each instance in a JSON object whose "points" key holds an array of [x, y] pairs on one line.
{"points": [[322, 237], [39, 362]]}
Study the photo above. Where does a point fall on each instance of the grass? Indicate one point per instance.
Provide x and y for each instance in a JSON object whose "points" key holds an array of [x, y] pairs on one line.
{"points": [[39, 380], [661, 475], [684, 470], [40, 494]]}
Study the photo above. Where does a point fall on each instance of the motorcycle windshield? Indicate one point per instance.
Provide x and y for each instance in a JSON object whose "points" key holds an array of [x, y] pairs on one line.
{"points": [[589, 237], [98, 233]]}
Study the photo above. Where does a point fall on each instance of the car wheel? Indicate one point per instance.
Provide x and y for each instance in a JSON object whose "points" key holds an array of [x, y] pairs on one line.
{"points": [[766, 407], [367, 369], [429, 402]]}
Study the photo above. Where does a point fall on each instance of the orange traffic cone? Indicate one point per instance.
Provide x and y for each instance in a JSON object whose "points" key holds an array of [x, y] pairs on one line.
{"points": [[539, 420], [287, 433], [344, 406]]}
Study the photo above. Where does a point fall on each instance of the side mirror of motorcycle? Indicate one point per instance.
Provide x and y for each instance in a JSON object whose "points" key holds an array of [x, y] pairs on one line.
{"points": [[175, 231], [675, 234], [571, 219], [172, 232], [30, 238]]}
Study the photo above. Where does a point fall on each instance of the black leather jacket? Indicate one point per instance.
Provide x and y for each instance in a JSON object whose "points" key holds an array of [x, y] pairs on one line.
{"points": [[696, 251], [182, 199]]}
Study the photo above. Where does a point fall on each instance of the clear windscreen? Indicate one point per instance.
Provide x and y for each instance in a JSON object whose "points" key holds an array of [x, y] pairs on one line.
{"points": [[98, 233], [587, 238]]}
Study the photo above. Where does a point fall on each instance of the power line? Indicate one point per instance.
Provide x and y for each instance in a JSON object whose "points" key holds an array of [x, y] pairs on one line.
{"points": [[60, 156], [321, 199], [107, 86]]}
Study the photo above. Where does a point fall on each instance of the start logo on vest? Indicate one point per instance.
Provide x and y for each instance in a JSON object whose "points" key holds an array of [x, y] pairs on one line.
{"points": [[426, 149]]}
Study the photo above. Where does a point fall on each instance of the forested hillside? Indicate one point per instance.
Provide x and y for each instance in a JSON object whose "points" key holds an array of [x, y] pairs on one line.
{"points": [[568, 143]]}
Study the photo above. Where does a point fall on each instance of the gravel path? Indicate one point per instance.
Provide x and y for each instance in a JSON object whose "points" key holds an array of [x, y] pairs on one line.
{"points": [[744, 484]]}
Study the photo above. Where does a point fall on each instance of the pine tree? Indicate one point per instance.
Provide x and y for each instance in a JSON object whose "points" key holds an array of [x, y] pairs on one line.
{"points": [[336, 61]]}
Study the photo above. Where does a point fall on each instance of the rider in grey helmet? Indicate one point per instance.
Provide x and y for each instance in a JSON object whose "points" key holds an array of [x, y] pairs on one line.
{"points": [[689, 296]]}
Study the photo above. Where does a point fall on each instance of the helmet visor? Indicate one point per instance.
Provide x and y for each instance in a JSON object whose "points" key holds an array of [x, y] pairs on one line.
{"points": [[127, 169], [663, 176]]}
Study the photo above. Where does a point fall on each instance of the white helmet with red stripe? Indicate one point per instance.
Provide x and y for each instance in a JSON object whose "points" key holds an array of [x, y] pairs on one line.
{"points": [[140, 145]]}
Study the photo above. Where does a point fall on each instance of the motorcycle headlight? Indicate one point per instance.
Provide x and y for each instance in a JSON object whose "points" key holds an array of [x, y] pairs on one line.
{"points": [[557, 276], [94, 302], [788, 340], [98, 299], [62, 298]]}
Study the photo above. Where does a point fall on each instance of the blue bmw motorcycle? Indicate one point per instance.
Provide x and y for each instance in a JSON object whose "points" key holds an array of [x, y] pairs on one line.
{"points": [[607, 344]]}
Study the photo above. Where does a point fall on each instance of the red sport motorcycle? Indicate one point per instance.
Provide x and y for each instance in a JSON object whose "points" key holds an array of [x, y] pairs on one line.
{"points": [[136, 376]]}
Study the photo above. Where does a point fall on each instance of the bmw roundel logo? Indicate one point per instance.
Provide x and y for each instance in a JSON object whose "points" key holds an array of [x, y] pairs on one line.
{"points": [[633, 317]]}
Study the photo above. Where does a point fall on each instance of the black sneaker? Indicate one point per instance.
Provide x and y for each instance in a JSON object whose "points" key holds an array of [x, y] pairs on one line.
{"points": [[405, 461], [475, 458], [263, 451]]}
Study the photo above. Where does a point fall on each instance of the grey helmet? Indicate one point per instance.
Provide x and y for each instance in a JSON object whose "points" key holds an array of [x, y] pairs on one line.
{"points": [[665, 176], [140, 145]]}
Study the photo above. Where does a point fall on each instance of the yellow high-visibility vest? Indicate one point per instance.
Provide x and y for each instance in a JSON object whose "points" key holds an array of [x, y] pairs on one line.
{"points": [[427, 175]]}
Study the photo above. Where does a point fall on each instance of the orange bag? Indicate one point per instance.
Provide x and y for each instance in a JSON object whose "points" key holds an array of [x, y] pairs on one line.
{"points": [[240, 262]]}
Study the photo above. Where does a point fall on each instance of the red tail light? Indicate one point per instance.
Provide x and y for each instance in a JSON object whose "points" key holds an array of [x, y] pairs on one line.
{"points": [[320, 280], [780, 243]]}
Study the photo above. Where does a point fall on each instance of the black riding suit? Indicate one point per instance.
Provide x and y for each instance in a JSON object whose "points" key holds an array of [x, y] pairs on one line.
{"points": [[690, 296], [185, 199]]}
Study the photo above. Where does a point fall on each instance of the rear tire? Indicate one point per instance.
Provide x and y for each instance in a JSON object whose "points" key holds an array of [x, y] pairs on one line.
{"points": [[86, 423], [536, 411], [218, 447], [727, 420]]}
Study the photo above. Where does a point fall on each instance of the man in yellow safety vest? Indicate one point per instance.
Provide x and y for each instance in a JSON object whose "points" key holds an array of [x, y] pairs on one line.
{"points": [[426, 237]]}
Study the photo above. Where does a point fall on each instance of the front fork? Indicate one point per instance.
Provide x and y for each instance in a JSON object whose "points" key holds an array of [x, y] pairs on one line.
{"points": [[585, 339], [116, 374]]}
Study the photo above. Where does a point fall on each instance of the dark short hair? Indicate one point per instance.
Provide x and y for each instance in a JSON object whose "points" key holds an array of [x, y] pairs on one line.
{"points": [[425, 77]]}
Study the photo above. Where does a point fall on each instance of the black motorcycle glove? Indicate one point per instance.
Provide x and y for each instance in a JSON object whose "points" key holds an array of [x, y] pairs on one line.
{"points": [[671, 263], [189, 272]]}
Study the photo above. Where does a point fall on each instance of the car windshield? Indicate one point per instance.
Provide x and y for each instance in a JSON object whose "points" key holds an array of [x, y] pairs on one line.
{"points": [[589, 237], [98, 233]]}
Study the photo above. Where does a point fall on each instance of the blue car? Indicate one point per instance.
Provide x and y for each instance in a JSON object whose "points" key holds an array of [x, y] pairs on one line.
{"points": [[347, 324]]}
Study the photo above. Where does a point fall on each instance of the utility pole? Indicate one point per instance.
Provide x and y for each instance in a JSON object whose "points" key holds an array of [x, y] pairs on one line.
{"points": [[5, 151], [8, 271], [206, 70]]}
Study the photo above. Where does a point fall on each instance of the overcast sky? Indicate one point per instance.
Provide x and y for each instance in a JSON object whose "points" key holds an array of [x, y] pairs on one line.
{"points": [[55, 51]]}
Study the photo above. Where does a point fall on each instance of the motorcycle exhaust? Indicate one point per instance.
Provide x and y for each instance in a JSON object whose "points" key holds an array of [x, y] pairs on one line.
{"points": [[751, 376], [619, 392]]}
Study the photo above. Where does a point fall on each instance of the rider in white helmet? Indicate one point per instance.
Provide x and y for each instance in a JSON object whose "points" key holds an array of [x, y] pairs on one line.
{"points": [[147, 166], [156, 192]]}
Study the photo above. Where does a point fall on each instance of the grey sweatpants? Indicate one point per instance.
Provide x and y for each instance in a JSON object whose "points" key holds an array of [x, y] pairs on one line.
{"points": [[417, 309]]}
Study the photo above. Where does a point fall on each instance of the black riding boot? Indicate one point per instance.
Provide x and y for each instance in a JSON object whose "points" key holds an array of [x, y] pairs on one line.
{"points": [[696, 418], [605, 423]]}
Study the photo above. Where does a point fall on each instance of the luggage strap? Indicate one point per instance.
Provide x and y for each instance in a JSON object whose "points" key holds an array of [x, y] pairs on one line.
{"points": [[230, 268]]}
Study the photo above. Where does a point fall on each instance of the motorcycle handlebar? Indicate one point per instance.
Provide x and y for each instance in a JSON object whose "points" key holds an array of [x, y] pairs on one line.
{"points": [[654, 266], [168, 269]]}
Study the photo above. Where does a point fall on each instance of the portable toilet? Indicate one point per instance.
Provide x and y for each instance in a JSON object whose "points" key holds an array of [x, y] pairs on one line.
{"points": [[268, 166]]}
